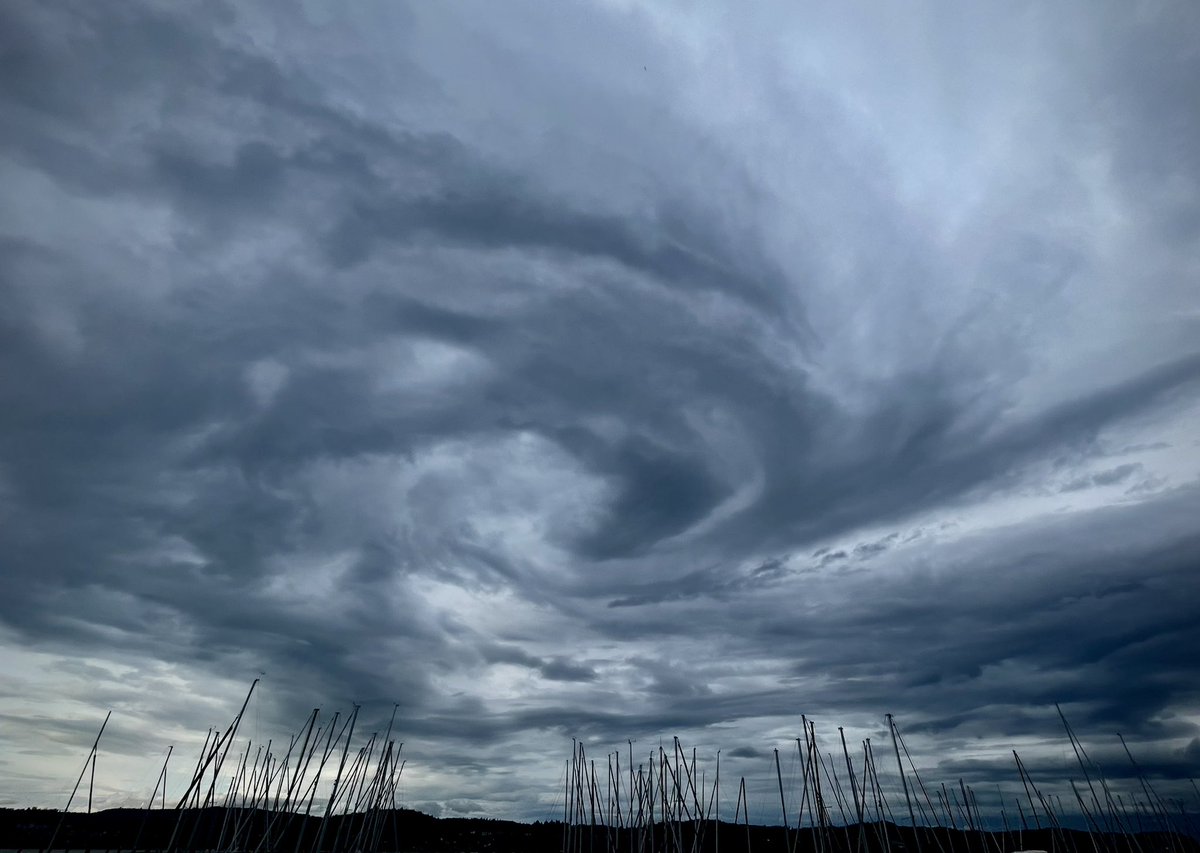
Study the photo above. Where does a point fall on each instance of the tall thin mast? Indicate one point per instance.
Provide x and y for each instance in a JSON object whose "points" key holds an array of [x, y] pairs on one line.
{"points": [[88, 761]]}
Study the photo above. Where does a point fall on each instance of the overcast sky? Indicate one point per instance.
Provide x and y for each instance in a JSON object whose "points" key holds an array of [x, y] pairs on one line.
{"points": [[608, 370]]}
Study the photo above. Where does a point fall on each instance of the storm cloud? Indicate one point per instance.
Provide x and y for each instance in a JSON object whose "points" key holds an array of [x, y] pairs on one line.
{"points": [[615, 371]]}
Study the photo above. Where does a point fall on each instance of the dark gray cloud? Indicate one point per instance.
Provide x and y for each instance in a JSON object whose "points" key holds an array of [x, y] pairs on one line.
{"points": [[594, 389]]}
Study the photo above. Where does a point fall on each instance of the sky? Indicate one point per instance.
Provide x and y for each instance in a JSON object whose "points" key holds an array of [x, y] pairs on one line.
{"points": [[608, 370]]}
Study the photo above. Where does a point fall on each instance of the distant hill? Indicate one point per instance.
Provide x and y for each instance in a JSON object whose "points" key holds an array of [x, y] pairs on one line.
{"points": [[407, 831]]}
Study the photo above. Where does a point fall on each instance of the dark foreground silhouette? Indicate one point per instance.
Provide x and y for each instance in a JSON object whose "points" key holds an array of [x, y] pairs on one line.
{"points": [[228, 830]]}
